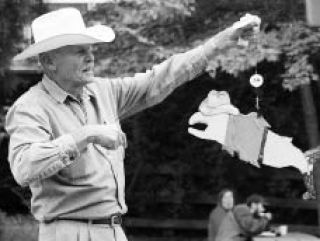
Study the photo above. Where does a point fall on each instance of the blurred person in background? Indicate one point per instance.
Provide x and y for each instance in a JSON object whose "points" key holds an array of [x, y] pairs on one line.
{"points": [[225, 204], [245, 221]]}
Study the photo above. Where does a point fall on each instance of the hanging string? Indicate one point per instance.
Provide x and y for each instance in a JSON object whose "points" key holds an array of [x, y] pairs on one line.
{"points": [[256, 80]]}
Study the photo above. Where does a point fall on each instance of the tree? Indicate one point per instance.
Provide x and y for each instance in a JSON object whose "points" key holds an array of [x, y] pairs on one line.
{"points": [[13, 18], [143, 28]]}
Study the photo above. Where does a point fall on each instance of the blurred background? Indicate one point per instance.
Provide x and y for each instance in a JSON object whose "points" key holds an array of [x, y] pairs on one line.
{"points": [[172, 178]]}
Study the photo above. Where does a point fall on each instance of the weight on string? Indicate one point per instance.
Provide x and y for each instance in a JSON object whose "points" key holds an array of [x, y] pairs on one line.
{"points": [[256, 80]]}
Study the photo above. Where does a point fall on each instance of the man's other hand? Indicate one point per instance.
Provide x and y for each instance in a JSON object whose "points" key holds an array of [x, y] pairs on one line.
{"points": [[109, 136]]}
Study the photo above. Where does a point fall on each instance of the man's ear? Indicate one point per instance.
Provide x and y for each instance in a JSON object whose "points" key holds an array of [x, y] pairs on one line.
{"points": [[47, 61]]}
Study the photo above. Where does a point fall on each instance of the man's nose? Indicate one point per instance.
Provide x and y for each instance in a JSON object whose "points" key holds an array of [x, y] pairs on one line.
{"points": [[89, 56]]}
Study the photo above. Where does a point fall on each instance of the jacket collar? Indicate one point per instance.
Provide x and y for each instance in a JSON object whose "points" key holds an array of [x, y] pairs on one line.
{"points": [[59, 94]]}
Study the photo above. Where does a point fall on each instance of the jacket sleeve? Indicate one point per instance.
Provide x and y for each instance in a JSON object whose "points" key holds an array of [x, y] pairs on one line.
{"points": [[33, 153], [248, 223], [143, 90]]}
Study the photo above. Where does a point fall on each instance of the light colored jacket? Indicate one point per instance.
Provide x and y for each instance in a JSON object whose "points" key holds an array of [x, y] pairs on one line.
{"points": [[44, 156]]}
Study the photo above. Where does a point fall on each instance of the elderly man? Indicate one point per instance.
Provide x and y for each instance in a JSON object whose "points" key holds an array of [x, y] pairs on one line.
{"points": [[66, 142]]}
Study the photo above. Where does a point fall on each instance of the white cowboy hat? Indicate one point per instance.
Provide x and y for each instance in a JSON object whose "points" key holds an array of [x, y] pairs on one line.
{"points": [[61, 28]]}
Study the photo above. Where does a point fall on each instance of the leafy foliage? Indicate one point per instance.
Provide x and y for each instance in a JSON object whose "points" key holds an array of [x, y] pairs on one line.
{"points": [[13, 16], [150, 31], [11, 12], [300, 43], [142, 28], [295, 43], [237, 60]]}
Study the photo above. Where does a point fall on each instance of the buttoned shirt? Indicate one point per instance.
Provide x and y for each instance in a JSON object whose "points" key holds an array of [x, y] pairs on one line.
{"points": [[67, 183]]}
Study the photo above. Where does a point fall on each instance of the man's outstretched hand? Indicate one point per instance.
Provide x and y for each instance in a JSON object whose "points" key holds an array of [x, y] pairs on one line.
{"points": [[109, 136], [240, 33]]}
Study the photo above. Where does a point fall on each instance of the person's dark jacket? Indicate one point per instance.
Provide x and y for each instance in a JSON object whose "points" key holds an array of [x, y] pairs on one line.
{"points": [[241, 225]]}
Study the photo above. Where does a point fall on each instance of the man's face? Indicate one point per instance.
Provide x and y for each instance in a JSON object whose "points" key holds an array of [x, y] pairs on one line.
{"points": [[74, 64], [257, 208], [227, 201]]}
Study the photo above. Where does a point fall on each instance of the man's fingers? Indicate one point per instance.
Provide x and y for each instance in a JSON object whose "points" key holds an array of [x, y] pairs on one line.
{"points": [[197, 118], [243, 43], [249, 19], [120, 140], [245, 26], [247, 32], [197, 133], [123, 140], [248, 25]]}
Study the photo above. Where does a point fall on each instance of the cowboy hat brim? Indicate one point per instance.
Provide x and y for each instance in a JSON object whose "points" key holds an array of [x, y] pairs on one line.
{"points": [[91, 35]]}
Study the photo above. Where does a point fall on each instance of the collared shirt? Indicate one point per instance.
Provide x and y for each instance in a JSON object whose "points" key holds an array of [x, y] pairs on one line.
{"points": [[44, 156]]}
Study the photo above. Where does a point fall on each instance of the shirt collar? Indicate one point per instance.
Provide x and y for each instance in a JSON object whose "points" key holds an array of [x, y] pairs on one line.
{"points": [[58, 93]]}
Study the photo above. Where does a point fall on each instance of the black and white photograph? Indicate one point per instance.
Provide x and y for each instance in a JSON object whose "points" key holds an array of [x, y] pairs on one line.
{"points": [[150, 120]]}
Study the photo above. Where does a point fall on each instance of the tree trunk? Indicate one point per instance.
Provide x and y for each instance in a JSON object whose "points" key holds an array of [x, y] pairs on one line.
{"points": [[312, 10], [290, 8], [310, 115], [316, 180], [312, 128]]}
